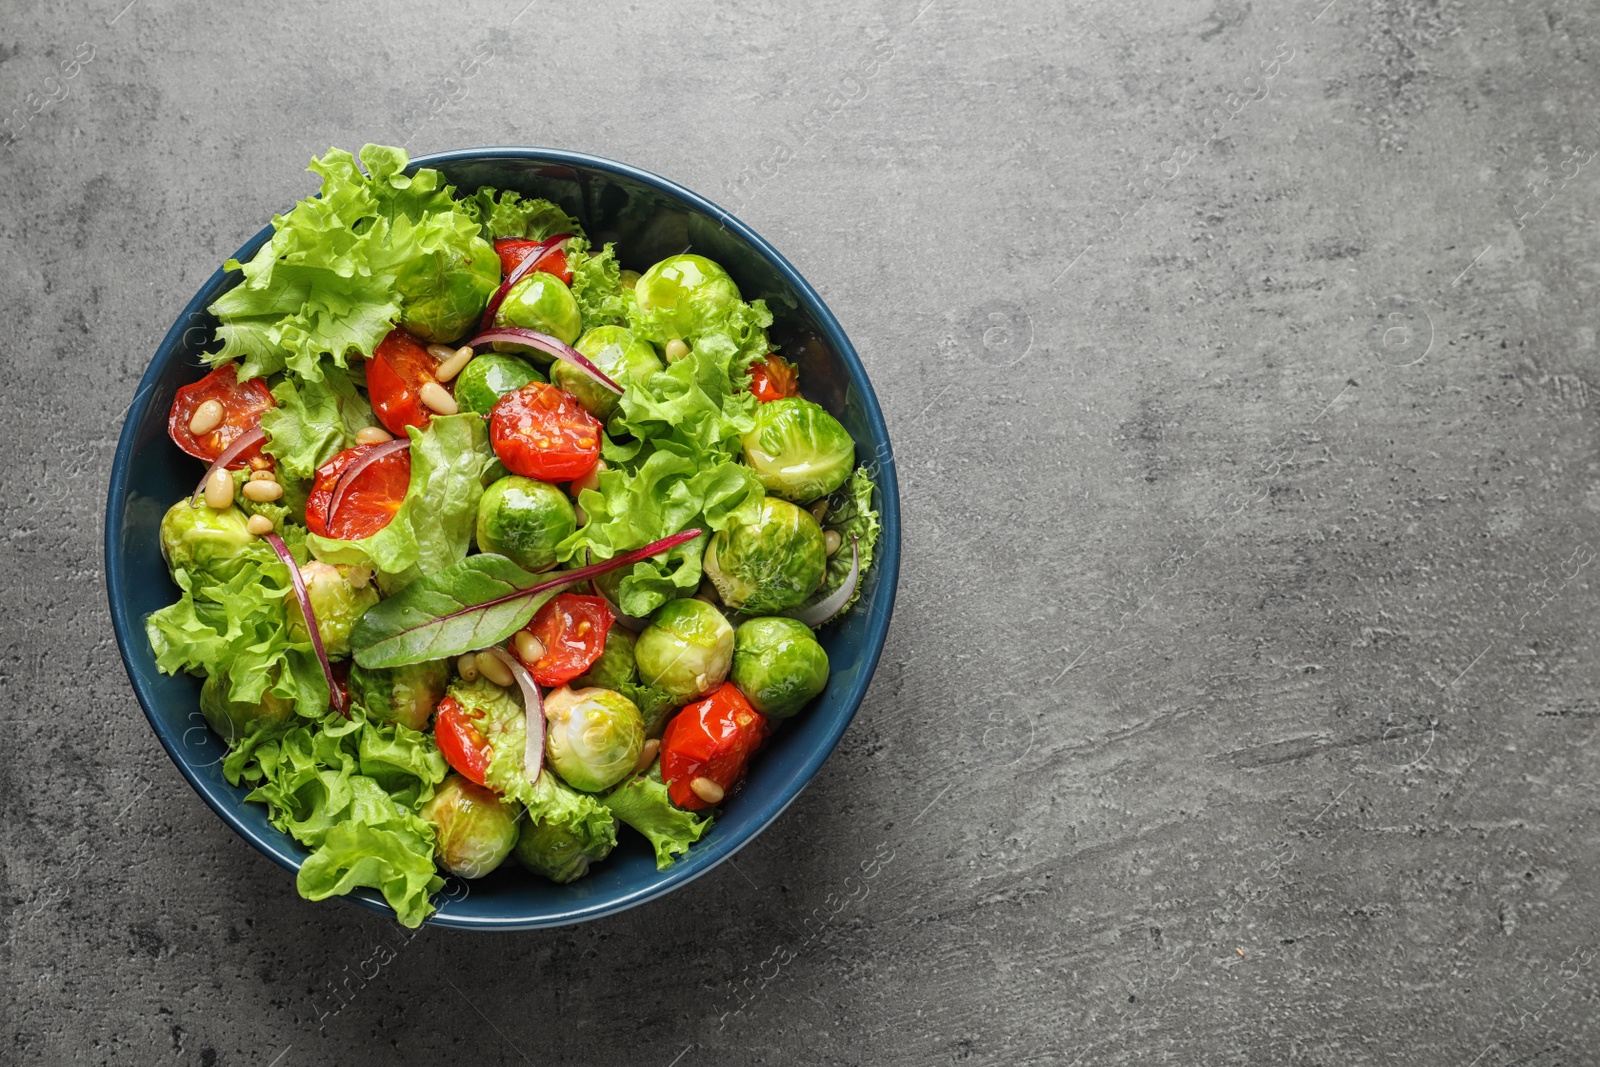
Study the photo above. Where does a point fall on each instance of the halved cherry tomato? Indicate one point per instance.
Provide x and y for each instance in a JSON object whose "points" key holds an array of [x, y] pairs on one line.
{"points": [[541, 432], [368, 504], [242, 405], [773, 379], [712, 738], [459, 740], [513, 250], [572, 629], [399, 368]]}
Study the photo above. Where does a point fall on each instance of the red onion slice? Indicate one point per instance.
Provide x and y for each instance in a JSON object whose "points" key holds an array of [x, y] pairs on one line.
{"points": [[335, 694], [533, 712], [823, 610], [229, 454], [365, 460], [550, 346], [522, 270]]}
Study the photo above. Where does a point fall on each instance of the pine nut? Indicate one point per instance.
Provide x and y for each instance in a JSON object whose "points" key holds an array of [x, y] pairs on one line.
{"points": [[258, 525], [438, 398], [628, 279], [373, 435], [451, 367], [206, 417], [491, 668], [707, 790], [588, 481], [647, 755], [529, 648], [263, 476], [676, 350], [831, 541], [819, 510], [467, 667], [262, 492], [441, 352], [219, 489]]}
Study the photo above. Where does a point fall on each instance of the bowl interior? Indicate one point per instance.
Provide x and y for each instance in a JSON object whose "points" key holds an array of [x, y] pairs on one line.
{"points": [[648, 218]]}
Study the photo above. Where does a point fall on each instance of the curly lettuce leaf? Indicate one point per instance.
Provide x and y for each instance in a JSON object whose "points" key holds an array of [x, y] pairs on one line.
{"points": [[597, 285], [349, 789], [340, 267], [682, 471], [314, 420], [510, 214], [642, 802], [433, 527], [850, 512], [549, 800], [233, 619]]}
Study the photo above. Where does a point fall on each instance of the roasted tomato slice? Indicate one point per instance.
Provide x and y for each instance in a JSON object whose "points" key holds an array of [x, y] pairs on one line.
{"points": [[242, 404], [513, 250], [572, 629], [399, 368], [712, 738], [774, 378], [541, 432], [460, 742], [370, 501]]}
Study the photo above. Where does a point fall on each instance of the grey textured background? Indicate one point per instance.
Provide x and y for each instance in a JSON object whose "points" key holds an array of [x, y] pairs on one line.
{"points": [[1240, 702]]}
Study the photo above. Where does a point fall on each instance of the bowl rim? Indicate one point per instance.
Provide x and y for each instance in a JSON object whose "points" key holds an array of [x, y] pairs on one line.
{"points": [[128, 630]]}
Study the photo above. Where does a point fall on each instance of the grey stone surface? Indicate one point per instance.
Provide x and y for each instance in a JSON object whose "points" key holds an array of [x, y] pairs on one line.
{"points": [[1240, 705]]}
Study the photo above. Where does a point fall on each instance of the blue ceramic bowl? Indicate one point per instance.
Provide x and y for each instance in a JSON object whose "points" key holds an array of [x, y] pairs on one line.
{"points": [[649, 218]]}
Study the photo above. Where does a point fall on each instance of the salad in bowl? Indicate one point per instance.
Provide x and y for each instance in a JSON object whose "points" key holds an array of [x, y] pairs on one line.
{"points": [[499, 550]]}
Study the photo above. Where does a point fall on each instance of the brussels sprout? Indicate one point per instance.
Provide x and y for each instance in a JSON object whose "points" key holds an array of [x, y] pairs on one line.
{"points": [[213, 543], [525, 519], [778, 665], [539, 302], [337, 604], [406, 695], [798, 450], [622, 356], [684, 296], [557, 851], [233, 719], [443, 294], [592, 737], [488, 378], [615, 666], [686, 650], [772, 564], [474, 830]]}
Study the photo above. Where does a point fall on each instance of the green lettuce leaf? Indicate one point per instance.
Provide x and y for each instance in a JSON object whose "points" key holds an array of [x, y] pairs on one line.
{"points": [[338, 271], [434, 525], [314, 420], [349, 789], [850, 512], [509, 214], [597, 285], [642, 802], [682, 470], [232, 619]]}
